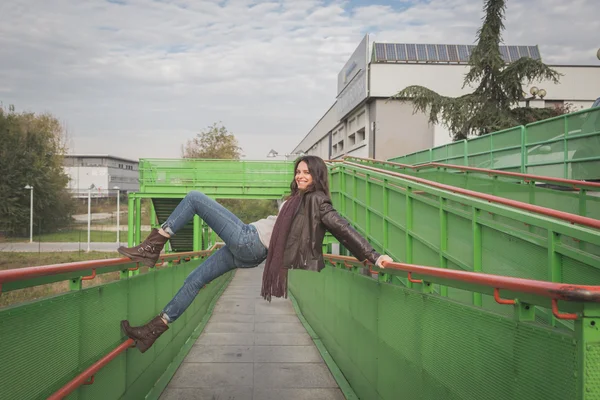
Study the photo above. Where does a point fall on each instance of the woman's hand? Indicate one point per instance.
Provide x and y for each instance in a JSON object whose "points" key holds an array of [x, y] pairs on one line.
{"points": [[384, 258]]}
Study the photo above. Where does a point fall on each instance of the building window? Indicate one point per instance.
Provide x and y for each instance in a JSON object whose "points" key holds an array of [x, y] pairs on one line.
{"points": [[361, 135], [352, 140]]}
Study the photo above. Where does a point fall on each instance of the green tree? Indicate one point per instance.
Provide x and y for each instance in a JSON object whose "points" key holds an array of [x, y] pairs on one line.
{"points": [[494, 105], [31, 153], [215, 142]]}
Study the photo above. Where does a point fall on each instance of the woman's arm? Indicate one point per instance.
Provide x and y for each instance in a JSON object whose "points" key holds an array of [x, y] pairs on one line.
{"points": [[346, 234]]}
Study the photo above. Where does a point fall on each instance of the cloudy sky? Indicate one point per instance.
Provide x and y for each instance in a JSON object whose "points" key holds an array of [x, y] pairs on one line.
{"points": [[137, 78]]}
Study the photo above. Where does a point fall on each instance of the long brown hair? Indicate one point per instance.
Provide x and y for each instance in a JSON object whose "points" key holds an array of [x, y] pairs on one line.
{"points": [[318, 171]]}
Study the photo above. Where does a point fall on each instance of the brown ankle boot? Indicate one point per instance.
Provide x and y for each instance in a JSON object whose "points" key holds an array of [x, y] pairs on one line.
{"points": [[147, 252], [145, 335]]}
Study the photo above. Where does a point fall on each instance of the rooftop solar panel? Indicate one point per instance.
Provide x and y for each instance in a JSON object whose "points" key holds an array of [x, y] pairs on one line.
{"points": [[534, 52], [411, 52], [390, 52], [380, 51], [514, 53], [523, 51], [442, 52], [504, 53], [432, 53], [421, 52], [452, 53], [401, 52], [463, 53]]}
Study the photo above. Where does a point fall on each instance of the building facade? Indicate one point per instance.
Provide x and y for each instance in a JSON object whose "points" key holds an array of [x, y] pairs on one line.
{"points": [[101, 172], [363, 121]]}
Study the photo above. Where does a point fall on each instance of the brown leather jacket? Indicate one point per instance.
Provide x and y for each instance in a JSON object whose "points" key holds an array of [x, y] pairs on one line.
{"points": [[303, 249]]}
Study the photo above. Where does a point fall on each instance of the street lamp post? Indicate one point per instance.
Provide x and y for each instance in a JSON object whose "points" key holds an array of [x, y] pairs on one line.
{"points": [[92, 186], [118, 212], [29, 187], [535, 92]]}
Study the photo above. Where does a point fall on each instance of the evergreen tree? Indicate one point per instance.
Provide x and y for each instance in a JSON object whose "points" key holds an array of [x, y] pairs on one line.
{"points": [[494, 105]]}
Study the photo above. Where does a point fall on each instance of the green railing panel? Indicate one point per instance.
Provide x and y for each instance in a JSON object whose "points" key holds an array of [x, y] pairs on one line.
{"points": [[583, 202], [46, 343], [480, 236], [393, 342], [566, 146], [222, 178]]}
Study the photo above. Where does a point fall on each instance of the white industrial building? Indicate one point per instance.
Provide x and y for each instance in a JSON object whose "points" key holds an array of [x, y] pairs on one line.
{"points": [[102, 173], [364, 122]]}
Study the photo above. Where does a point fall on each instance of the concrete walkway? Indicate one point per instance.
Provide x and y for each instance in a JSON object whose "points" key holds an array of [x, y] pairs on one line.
{"points": [[253, 350]]}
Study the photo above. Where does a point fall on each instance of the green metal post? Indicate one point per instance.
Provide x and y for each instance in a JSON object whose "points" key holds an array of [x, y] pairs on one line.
{"points": [[443, 241], [130, 219], [477, 253], [354, 194], [197, 233], [367, 206], [138, 220], [409, 227], [555, 269], [466, 153], [587, 331], [523, 149], [153, 221], [386, 207], [75, 284], [566, 150]]}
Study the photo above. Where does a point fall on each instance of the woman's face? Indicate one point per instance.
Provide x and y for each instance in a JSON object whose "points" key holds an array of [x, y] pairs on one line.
{"points": [[303, 177]]}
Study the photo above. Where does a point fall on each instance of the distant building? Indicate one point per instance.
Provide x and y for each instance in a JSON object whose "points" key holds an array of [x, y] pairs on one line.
{"points": [[102, 171], [364, 123]]}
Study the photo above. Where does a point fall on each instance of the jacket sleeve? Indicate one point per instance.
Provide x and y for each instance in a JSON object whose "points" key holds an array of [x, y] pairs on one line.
{"points": [[346, 234]]}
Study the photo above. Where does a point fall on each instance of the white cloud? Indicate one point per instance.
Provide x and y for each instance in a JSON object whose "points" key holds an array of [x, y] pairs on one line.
{"points": [[139, 79]]}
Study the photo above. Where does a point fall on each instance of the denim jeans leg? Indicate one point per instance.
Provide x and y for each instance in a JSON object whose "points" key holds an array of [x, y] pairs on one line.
{"points": [[213, 267], [221, 220]]}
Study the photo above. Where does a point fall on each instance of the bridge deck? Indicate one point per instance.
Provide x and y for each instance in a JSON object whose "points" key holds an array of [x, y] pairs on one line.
{"points": [[253, 350]]}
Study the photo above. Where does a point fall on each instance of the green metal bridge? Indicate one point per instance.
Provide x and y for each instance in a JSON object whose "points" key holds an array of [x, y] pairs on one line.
{"points": [[495, 293]]}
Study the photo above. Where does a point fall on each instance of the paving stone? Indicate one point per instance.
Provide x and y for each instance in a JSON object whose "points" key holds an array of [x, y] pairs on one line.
{"points": [[229, 327], [287, 354], [293, 375], [220, 354], [282, 339], [234, 306], [260, 318], [239, 393], [280, 307], [279, 327], [226, 339], [223, 317], [297, 394], [212, 375]]}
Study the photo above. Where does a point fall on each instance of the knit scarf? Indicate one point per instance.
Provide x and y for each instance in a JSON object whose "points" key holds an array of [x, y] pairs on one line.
{"points": [[275, 273]]}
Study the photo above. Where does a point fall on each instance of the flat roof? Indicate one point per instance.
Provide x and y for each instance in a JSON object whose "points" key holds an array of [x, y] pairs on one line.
{"points": [[101, 156]]}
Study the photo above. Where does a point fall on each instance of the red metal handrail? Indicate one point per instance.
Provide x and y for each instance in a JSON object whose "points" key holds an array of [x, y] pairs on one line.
{"points": [[552, 290], [528, 177], [83, 377], [17, 274], [572, 218]]}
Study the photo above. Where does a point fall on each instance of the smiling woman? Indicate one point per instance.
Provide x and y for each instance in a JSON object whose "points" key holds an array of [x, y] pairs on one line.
{"points": [[291, 240]]}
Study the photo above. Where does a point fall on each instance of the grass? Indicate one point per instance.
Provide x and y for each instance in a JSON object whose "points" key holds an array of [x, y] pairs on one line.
{"points": [[76, 236], [11, 260]]}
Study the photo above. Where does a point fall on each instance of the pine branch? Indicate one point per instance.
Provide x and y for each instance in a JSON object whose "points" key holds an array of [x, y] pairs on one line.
{"points": [[523, 72]]}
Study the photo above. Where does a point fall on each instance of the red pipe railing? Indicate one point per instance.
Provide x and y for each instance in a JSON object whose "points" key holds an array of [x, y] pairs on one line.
{"points": [[55, 269], [82, 378], [572, 218], [577, 184], [552, 290]]}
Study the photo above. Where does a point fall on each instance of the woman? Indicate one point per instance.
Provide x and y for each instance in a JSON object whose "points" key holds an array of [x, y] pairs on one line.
{"points": [[293, 239]]}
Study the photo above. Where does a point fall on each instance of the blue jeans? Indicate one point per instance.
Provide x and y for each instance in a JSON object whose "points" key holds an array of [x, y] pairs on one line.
{"points": [[243, 248]]}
